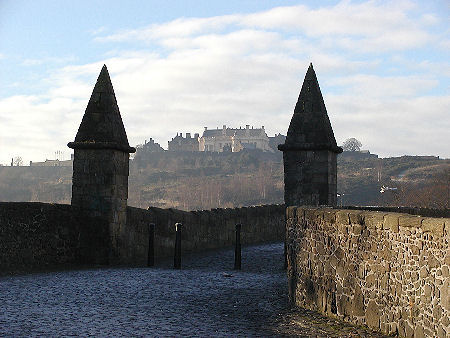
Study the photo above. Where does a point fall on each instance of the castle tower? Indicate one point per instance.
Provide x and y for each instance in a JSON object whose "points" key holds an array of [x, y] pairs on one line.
{"points": [[101, 161], [310, 150]]}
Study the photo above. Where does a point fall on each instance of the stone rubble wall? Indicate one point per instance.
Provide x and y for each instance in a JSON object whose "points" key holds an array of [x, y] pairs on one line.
{"points": [[310, 177], [100, 187], [41, 236], [387, 270], [202, 230]]}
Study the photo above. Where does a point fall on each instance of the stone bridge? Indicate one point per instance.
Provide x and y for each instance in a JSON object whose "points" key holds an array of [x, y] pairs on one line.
{"points": [[388, 271]]}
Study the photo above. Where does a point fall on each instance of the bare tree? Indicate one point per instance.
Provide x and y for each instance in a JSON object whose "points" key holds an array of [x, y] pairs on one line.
{"points": [[18, 162], [351, 144]]}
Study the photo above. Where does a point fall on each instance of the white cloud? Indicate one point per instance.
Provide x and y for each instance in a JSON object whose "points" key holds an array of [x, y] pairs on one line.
{"points": [[181, 27], [371, 26], [385, 88], [404, 126], [248, 69]]}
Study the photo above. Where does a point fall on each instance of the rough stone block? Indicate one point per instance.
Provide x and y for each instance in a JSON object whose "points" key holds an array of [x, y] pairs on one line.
{"points": [[445, 294], [434, 225], [424, 272], [344, 305], [418, 331], [357, 229], [427, 290], [391, 221], [374, 220], [409, 331], [329, 216], [433, 262], [445, 271], [356, 217], [312, 213], [410, 221], [373, 315], [342, 217], [370, 280], [358, 308]]}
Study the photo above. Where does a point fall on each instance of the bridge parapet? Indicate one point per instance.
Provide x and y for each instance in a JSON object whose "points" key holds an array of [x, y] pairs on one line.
{"points": [[42, 236], [387, 270]]}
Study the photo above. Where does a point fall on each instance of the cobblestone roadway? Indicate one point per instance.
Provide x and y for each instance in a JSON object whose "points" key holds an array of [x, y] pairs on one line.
{"points": [[206, 298]]}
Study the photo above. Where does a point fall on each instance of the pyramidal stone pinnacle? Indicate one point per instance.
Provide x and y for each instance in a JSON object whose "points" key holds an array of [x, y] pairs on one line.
{"points": [[102, 126], [310, 127], [310, 150]]}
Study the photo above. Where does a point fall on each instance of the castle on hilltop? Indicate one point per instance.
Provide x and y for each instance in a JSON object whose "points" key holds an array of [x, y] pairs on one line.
{"points": [[226, 140]]}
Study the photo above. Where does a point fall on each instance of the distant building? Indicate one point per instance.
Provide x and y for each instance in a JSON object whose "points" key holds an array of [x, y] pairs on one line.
{"points": [[150, 146], [220, 140], [180, 143], [276, 140], [53, 163], [358, 154]]}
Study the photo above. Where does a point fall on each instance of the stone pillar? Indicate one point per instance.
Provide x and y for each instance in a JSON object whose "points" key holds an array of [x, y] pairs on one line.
{"points": [[310, 177], [310, 150], [101, 162]]}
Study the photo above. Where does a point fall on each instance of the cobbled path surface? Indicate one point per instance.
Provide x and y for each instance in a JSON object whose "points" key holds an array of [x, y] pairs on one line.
{"points": [[206, 298]]}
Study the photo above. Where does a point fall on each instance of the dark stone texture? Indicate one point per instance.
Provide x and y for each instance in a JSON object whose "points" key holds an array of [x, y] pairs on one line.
{"points": [[202, 230], [102, 126], [39, 236], [310, 127], [310, 150], [101, 161]]}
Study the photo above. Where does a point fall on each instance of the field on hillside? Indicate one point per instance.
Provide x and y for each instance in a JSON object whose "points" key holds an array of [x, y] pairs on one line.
{"points": [[191, 181]]}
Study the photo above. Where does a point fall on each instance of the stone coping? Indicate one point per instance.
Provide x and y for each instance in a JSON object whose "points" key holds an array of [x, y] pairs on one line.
{"points": [[101, 145]]}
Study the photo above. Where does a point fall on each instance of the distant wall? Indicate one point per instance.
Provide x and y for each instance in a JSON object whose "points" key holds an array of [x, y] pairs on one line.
{"points": [[37, 236], [387, 270], [40, 236], [202, 230]]}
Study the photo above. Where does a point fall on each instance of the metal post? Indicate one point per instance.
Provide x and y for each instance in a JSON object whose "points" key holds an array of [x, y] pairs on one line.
{"points": [[237, 248], [177, 255], [151, 245]]}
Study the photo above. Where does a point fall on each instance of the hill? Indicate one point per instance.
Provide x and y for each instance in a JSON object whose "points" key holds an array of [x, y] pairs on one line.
{"points": [[202, 180], [421, 181]]}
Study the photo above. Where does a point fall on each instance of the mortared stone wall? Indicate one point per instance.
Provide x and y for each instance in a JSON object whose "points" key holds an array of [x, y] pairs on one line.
{"points": [[387, 270], [42, 236]]}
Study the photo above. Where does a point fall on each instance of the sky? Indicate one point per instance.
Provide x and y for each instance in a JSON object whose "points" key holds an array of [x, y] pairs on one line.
{"points": [[179, 66]]}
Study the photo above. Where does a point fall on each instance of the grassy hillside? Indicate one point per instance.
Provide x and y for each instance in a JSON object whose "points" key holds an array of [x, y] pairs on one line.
{"points": [[209, 180], [206, 180], [411, 179]]}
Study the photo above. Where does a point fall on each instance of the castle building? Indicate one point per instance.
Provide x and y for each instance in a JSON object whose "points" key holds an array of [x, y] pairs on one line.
{"points": [[231, 139], [180, 143], [52, 163], [275, 140], [150, 146]]}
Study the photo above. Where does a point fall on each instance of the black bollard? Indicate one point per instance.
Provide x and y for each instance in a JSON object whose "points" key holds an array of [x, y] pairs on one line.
{"points": [[285, 255], [237, 248], [177, 255], [151, 245]]}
